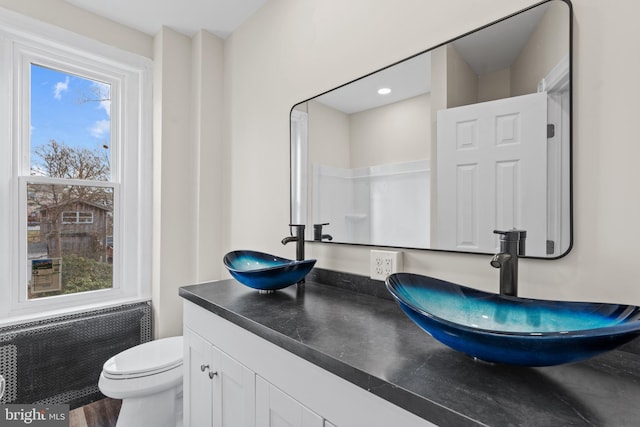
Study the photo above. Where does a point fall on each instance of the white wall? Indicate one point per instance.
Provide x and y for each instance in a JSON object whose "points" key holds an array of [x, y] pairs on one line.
{"points": [[292, 50]]}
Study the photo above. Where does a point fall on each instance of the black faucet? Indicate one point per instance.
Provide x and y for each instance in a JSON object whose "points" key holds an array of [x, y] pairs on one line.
{"points": [[297, 237], [512, 246], [317, 233]]}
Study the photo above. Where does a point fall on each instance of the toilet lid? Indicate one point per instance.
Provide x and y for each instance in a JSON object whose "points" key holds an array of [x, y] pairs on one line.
{"points": [[153, 356]]}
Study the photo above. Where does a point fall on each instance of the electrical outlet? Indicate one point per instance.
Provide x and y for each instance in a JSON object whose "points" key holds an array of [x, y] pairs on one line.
{"points": [[383, 263]]}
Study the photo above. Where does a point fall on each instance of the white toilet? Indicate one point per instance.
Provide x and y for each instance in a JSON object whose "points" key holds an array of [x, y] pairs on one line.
{"points": [[148, 379]]}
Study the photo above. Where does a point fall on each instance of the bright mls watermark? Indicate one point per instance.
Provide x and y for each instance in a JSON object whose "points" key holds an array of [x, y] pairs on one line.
{"points": [[34, 415]]}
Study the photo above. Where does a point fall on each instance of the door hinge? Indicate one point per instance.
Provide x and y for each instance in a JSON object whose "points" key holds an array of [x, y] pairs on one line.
{"points": [[551, 131], [551, 247]]}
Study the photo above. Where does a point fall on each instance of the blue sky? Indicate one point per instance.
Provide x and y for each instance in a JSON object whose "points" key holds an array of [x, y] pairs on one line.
{"points": [[60, 110]]}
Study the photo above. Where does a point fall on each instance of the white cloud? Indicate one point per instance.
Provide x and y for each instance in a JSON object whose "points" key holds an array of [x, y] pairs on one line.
{"points": [[100, 128], [103, 91], [106, 106], [61, 87]]}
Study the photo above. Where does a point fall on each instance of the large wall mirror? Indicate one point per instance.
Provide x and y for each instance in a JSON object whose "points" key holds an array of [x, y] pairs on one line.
{"points": [[441, 149]]}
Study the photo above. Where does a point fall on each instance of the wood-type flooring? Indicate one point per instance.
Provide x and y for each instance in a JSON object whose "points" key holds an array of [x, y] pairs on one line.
{"points": [[102, 413]]}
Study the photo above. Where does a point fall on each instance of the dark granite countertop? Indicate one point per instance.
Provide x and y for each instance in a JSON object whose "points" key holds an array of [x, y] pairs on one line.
{"points": [[368, 341]]}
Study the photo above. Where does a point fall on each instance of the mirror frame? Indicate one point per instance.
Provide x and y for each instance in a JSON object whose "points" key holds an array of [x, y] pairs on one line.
{"points": [[570, 141]]}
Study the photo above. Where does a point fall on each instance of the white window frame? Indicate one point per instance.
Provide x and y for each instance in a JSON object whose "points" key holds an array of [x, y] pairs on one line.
{"points": [[22, 41], [77, 215]]}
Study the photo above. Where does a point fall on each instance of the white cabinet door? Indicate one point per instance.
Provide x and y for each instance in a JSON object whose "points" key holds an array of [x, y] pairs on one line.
{"points": [[218, 391], [234, 392], [278, 402], [197, 387], [276, 409]]}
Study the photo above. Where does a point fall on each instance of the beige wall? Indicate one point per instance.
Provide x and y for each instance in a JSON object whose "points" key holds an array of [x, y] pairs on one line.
{"points": [[544, 50], [65, 15], [174, 166], [329, 133], [272, 70], [207, 92], [462, 82], [546, 47], [328, 129], [189, 170], [453, 82], [495, 85], [397, 132], [189, 158], [292, 50]]}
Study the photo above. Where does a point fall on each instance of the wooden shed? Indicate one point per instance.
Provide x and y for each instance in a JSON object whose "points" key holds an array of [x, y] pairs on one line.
{"points": [[83, 229]]}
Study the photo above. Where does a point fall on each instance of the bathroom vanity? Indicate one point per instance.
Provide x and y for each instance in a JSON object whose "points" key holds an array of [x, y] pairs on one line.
{"points": [[339, 352]]}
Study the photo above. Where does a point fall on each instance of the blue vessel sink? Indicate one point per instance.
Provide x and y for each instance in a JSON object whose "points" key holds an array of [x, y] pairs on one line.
{"points": [[512, 330], [266, 272]]}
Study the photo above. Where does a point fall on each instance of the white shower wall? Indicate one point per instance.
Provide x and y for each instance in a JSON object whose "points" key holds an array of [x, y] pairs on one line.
{"points": [[341, 200], [361, 205]]}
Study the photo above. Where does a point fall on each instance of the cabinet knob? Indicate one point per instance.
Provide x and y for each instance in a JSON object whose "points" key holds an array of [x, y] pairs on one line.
{"points": [[212, 374], [204, 367]]}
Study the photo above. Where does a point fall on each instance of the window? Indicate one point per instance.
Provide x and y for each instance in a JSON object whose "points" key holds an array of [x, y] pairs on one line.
{"points": [[78, 162], [69, 177], [82, 218]]}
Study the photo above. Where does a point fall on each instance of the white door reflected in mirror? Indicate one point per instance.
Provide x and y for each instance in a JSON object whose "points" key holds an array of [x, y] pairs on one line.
{"points": [[490, 155]]}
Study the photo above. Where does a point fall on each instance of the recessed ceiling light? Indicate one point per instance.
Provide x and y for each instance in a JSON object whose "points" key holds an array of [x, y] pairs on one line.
{"points": [[384, 91]]}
